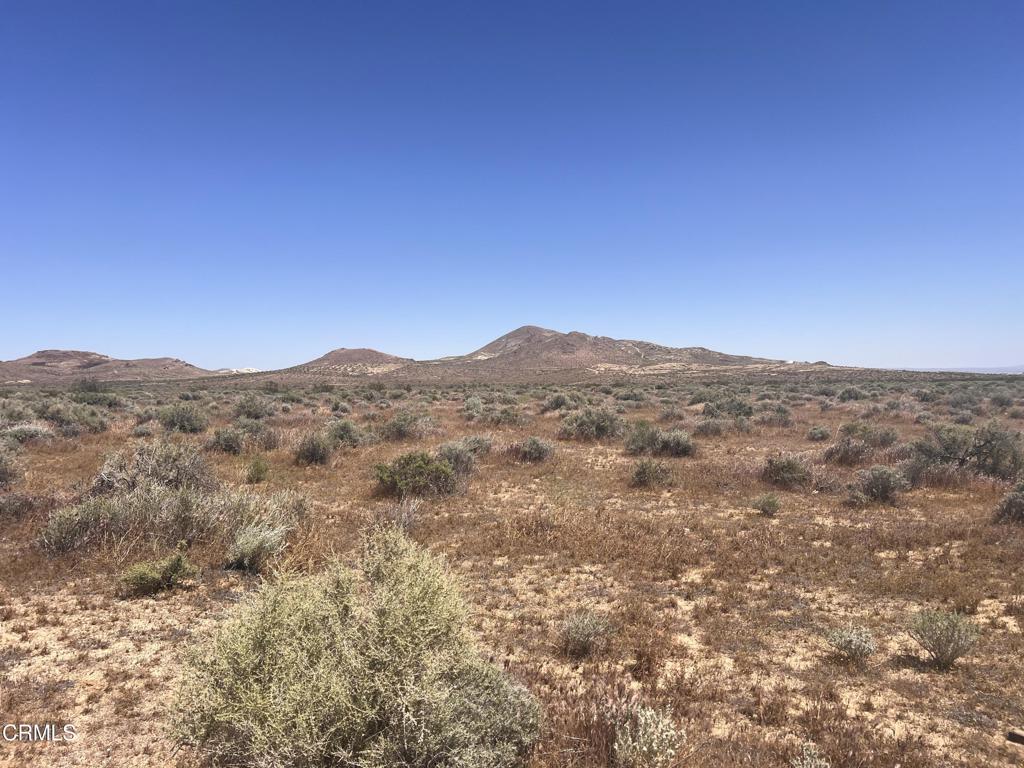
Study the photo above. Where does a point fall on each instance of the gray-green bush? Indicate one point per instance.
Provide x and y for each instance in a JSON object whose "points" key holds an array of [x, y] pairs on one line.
{"points": [[183, 417], [417, 474], [645, 438], [583, 633], [1011, 508], [367, 668], [169, 464], [150, 577], [592, 424], [530, 450], [227, 440], [786, 471], [944, 636], [649, 473], [314, 448], [852, 644], [880, 483]]}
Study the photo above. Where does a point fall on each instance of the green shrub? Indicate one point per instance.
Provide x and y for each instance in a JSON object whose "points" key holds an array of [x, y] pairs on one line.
{"points": [[557, 402], [26, 433], [989, 450], [407, 425], [173, 465], [1011, 508], [104, 399], [374, 665], [592, 424], [731, 407], [786, 471], [252, 406], [876, 437], [154, 576], [711, 427], [472, 408], [183, 417], [462, 454], [346, 432], [161, 514], [227, 440], [852, 393], [254, 543], [776, 416], [648, 473], [417, 474], [14, 506], [265, 438], [584, 633], [313, 449], [768, 504], [71, 419], [818, 434], [880, 483], [945, 637], [853, 644], [530, 450], [848, 452], [1001, 399], [508, 416], [645, 438], [258, 469]]}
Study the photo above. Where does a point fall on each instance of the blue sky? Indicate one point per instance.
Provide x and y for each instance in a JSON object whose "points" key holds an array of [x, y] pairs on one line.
{"points": [[252, 183]]}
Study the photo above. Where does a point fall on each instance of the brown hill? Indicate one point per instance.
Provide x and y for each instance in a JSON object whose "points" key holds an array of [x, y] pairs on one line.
{"points": [[353, 362], [55, 366], [531, 353], [540, 349]]}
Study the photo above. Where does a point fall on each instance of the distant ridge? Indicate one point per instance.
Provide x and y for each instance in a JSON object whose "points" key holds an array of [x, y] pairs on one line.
{"points": [[61, 365], [528, 351], [1004, 369]]}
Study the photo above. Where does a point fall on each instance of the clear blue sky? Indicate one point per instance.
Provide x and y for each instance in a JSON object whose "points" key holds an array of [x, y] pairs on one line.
{"points": [[253, 183]]}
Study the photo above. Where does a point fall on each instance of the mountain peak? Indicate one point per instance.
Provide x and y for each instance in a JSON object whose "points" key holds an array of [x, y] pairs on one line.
{"points": [[531, 347]]}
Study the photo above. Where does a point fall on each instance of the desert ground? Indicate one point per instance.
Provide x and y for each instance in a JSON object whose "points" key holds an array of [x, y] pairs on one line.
{"points": [[743, 557]]}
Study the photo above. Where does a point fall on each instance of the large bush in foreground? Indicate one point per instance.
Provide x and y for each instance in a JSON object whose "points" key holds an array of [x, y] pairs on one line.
{"points": [[366, 668]]}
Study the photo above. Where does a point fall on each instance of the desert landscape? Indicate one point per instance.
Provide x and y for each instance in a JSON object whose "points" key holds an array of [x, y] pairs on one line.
{"points": [[648, 557], [511, 385]]}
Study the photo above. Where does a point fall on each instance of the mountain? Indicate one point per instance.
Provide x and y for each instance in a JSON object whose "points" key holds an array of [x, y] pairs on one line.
{"points": [[531, 348], [526, 354], [55, 366], [353, 362]]}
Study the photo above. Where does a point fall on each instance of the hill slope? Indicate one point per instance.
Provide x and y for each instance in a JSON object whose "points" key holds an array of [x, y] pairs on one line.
{"points": [[55, 366], [353, 362], [531, 348]]}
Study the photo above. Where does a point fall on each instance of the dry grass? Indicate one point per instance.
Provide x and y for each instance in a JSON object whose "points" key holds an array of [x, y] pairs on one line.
{"points": [[719, 613]]}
